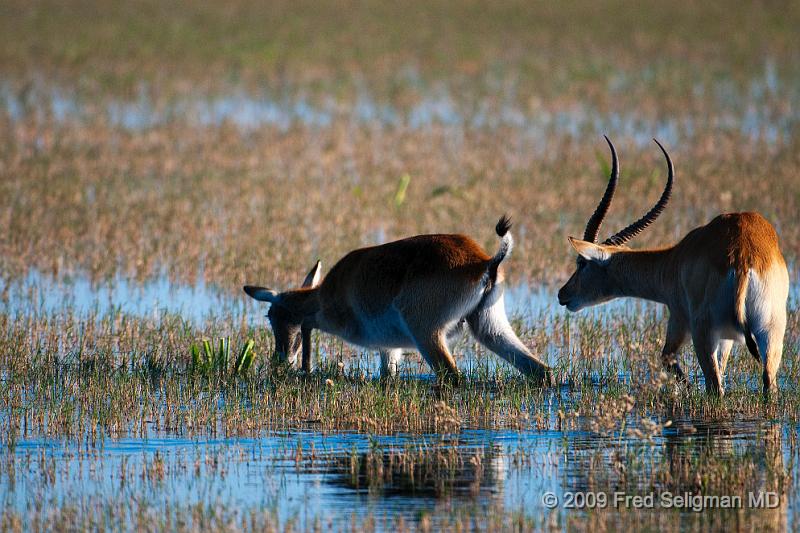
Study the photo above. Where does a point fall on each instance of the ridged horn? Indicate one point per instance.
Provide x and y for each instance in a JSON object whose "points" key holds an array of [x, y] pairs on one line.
{"points": [[593, 226], [640, 225]]}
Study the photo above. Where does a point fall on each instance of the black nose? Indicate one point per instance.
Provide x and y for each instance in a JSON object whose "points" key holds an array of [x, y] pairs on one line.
{"points": [[562, 299]]}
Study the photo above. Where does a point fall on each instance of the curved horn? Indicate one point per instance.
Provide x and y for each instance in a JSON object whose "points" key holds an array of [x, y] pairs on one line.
{"points": [[640, 225], [593, 226]]}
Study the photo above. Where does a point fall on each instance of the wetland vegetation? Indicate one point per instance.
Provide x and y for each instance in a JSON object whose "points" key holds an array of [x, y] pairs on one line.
{"points": [[155, 157]]}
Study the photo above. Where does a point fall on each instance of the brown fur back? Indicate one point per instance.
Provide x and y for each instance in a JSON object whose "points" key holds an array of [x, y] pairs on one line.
{"points": [[380, 271], [743, 242], [754, 246]]}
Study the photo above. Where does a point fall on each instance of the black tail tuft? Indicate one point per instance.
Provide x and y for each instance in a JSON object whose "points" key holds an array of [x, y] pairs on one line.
{"points": [[752, 347], [506, 243], [503, 225]]}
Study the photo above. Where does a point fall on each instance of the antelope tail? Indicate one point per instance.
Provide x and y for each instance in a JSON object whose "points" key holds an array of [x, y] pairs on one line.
{"points": [[742, 279], [506, 244]]}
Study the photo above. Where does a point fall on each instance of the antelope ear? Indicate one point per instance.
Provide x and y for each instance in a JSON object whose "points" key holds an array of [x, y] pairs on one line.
{"points": [[590, 251], [314, 275], [262, 294]]}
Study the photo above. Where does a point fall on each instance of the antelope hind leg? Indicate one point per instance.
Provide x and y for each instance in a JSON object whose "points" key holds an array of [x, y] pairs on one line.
{"points": [[491, 328]]}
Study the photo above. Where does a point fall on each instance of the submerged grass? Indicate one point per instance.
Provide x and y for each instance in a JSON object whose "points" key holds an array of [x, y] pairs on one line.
{"points": [[624, 427], [75, 387], [66, 377]]}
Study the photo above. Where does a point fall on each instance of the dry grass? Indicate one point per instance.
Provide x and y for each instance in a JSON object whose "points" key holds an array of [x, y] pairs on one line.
{"points": [[519, 134], [262, 206]]}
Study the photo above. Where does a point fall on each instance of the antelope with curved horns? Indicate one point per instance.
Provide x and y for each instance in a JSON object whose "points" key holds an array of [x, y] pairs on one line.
{"points": [[415, 293], [724, 282]]}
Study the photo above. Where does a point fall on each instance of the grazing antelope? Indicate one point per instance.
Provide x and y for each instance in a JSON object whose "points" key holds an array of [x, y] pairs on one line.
{"points": [[723, 282], [415, 293]]}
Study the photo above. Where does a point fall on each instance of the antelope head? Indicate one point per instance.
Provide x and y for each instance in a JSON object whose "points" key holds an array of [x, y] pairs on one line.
{"points": [[594, 280], [288, 312]]}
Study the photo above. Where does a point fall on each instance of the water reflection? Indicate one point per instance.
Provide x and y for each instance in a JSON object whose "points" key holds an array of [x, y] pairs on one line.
{"points": [[307, 476], [433, 473]]}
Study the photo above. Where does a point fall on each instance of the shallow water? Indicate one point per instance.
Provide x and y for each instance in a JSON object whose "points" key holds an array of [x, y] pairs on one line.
{"points": [[43, 294], [748, 110], [39, 293], [331, 478], [535, 307], [304, 477]]}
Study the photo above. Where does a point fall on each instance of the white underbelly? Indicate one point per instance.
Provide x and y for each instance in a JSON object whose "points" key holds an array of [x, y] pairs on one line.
{"points": [[383, 331], [729, 332], [388, 330]]}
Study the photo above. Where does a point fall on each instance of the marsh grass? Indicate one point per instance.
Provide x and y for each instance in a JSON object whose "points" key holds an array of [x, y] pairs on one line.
{"points": [[65, 375], [206, 362], [615, 423]]}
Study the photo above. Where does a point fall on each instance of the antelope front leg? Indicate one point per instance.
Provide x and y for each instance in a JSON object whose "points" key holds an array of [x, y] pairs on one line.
{"points": [[677, 332], [389, 361], [706, 349], [305, 332], [723, 354], [434, 349]]}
